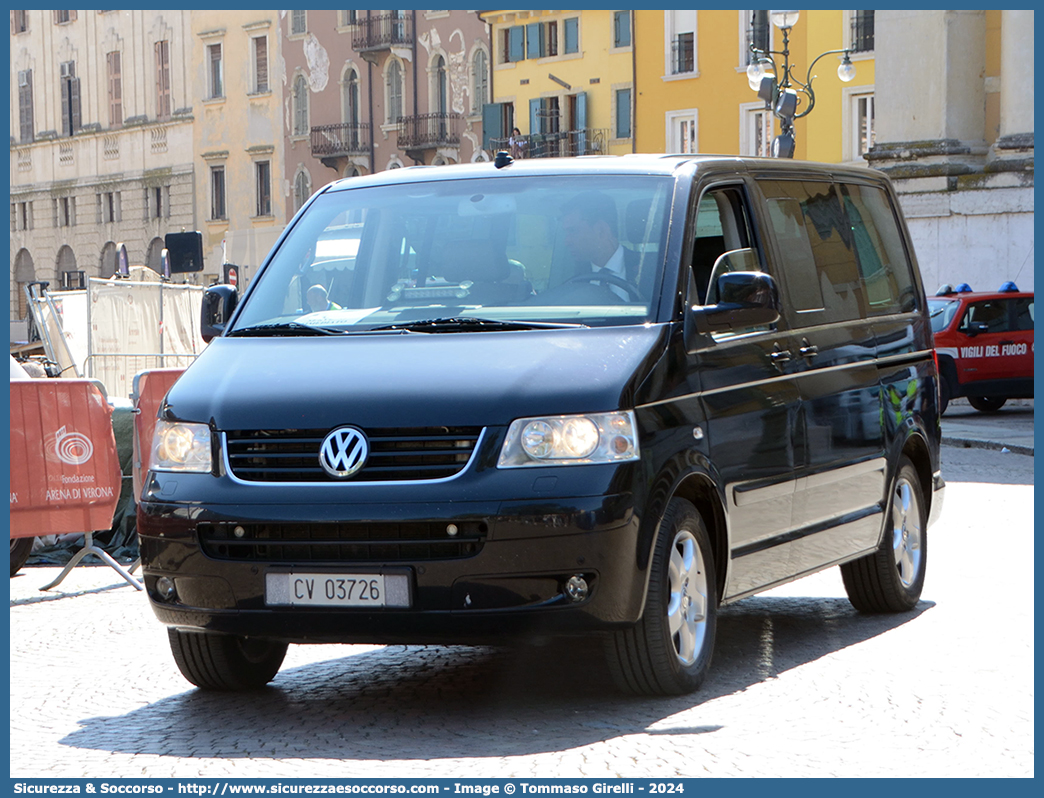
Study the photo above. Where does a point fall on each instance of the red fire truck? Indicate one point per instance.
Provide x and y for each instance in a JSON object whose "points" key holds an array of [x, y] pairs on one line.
{"points": [[984, 343]]}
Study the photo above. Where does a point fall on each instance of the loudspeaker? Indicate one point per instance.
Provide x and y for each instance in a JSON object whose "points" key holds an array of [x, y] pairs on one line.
{"points": [[186, 251]]}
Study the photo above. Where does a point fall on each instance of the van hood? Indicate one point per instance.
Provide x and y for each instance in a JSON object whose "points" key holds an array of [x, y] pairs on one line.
{"points": [[414, 379]]}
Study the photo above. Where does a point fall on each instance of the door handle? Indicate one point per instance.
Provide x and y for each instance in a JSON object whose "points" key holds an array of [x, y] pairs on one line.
{"points": [[807, 350], [780, 355]]}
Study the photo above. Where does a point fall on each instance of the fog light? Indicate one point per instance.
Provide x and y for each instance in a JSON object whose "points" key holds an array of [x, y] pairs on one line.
{"points": [[576, 588], [239, 531], [165, 588], [451, 530]]}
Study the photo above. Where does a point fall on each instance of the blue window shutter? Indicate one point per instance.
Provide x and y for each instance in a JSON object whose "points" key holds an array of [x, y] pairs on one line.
{"points": [[581, 110], [623, 114], [533, 37], [534, 116], [572, 35], [517, 40]]}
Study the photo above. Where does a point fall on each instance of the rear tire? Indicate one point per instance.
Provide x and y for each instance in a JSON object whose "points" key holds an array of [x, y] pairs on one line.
{"points": [[225, 662], [944, 394], [669, 651], [891, 579], [987, 404], [20, 550]]}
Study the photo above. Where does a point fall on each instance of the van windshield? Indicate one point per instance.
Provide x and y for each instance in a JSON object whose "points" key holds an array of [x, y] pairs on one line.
{"points": [[531, 250]]}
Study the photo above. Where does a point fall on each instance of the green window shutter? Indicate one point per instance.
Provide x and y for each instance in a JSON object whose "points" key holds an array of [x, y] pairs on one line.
{"points": [[492, 123]]}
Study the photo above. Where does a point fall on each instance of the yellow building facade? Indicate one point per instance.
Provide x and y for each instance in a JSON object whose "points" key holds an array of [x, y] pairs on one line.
{"points": [[565, 79], [692, 92], [237, 92]]}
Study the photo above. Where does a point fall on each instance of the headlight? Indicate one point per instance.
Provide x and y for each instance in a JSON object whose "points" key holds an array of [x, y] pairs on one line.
{"points": [[570, 440], [180, 447]]}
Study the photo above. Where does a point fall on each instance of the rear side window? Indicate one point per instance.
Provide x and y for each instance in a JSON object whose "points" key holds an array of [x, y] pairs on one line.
{"points": [[1024, 313], [822, 277], [883, 264]]}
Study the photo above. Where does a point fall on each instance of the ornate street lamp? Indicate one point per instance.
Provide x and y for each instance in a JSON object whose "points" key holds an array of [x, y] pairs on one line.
{"points": [[780, 89]]}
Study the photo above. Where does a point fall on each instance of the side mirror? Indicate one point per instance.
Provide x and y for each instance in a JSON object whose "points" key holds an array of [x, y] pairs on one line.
{"points": [[219, 302], [977, 328], [745, 299]]}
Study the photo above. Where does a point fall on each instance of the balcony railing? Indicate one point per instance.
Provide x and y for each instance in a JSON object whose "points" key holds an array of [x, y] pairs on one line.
{"points": [[863, 31], [344, 139], [564, 144], [382, 32], [429, 130]]}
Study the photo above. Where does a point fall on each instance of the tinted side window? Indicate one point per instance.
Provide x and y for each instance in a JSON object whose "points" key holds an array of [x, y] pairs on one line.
{"points": [[992, 312], [883, 263], [1024, 313], [822, 278]]}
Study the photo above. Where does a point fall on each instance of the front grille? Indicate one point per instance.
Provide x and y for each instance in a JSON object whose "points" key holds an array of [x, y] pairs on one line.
{"points": [[342, 542], [415, 453]]}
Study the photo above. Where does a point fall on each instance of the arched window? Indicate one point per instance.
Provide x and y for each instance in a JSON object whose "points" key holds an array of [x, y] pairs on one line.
{"points": [[393, 79], [154, 255], [479, 81], [302, 189], [107, 261], [300, 106], [351, 98], [351, 171], [66, 261], [24, 273], [440, 89]]}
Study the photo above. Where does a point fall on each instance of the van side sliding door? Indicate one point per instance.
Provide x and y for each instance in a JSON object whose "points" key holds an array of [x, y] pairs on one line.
{"points": [[838, 500]]}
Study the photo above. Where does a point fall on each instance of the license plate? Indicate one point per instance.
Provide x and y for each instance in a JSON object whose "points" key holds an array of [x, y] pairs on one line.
{"points": [[306, 589]]}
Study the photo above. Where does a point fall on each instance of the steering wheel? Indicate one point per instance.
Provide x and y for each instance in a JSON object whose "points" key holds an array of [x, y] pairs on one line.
{"points": [[607, 277]]}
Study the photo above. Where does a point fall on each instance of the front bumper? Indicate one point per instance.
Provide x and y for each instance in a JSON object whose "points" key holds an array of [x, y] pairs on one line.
{"points": [[511, 585]]}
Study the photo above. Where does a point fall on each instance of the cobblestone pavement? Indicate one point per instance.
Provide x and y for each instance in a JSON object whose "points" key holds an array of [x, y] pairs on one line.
{"points": [[802, 685]]}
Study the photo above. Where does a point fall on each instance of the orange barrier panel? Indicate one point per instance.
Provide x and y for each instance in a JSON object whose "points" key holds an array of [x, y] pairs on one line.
{"points": [[149, 389], [65, 473]]}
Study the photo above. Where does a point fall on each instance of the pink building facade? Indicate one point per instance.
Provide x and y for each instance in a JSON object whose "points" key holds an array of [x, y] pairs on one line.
{"points": [[366, 91]]}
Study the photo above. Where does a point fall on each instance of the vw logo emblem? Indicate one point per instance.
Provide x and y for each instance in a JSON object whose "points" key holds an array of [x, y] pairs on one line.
{"points": [[344, 452]]}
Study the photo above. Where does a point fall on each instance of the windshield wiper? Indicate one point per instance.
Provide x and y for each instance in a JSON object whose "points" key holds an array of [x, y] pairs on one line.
{"points": [[283, 328], [473, 324]]}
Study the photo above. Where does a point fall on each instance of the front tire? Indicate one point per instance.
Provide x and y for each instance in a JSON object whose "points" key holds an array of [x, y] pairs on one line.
{"points": [[669, 651], [20, 551], [987, 404], [225, 662], [891, 579]]}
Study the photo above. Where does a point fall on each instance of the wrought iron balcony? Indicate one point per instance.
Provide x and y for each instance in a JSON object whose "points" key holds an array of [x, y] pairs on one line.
{"points": [[563, 144], [427, 131], [334, 144], [343, 139], [382, 33]]}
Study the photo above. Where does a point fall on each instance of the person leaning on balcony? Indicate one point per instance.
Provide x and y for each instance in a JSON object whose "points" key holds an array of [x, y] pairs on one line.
{"points": [[517, 144]]}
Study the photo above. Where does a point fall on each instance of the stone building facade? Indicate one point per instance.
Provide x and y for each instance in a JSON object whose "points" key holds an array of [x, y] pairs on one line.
{"points": [[101, 141], [955, 133]]}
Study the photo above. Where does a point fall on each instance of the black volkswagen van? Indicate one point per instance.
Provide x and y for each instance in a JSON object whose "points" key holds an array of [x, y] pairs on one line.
{"points": [[590, 396]]}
